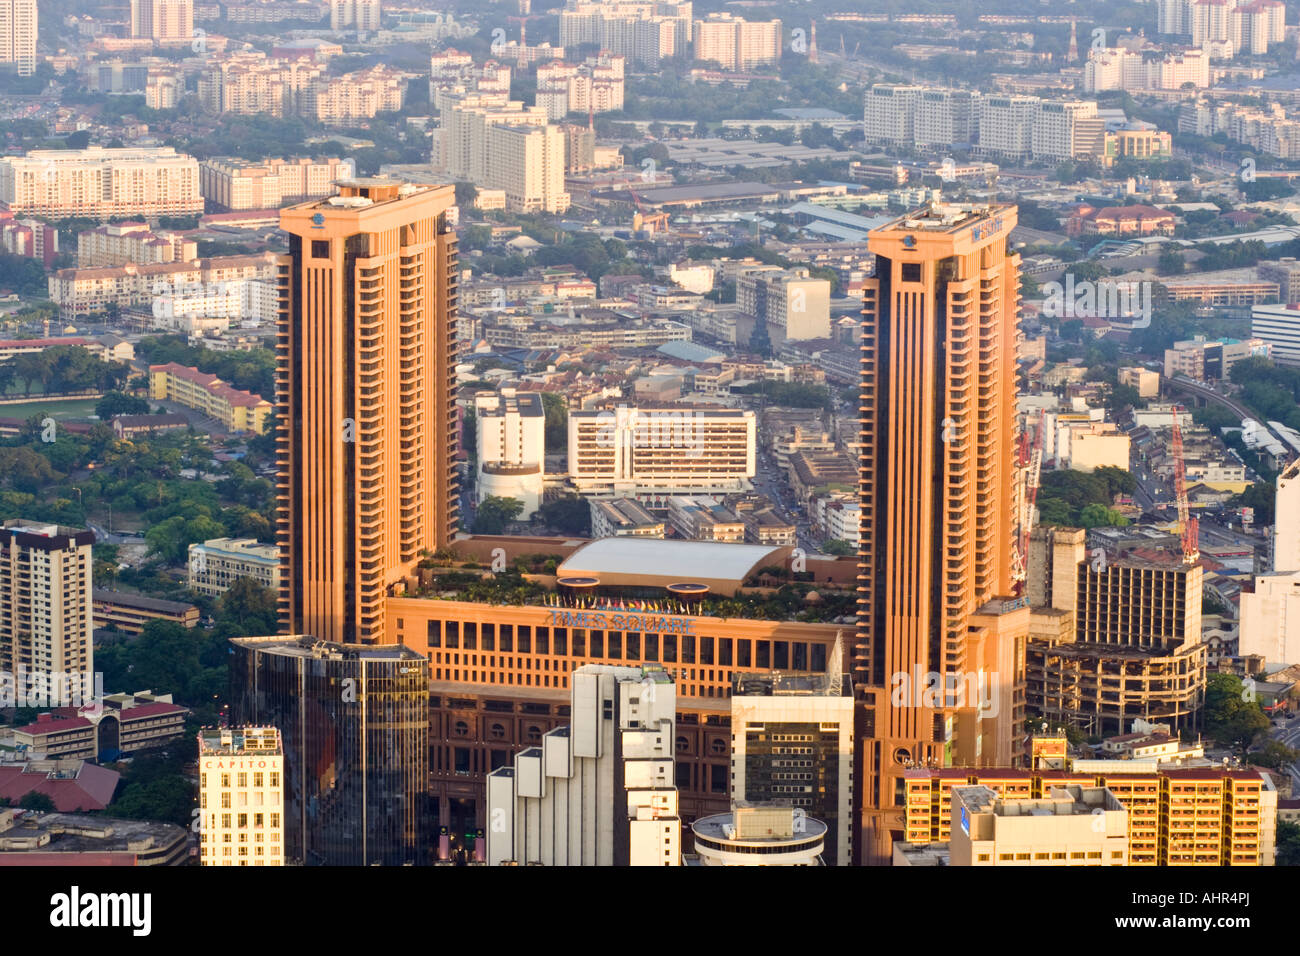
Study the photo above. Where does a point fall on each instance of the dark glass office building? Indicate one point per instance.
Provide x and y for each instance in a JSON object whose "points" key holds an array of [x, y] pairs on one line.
{"points": [[355, 724]]}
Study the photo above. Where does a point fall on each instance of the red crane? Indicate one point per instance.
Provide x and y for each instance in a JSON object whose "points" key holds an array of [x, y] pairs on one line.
{"points": [[1187, 525]]}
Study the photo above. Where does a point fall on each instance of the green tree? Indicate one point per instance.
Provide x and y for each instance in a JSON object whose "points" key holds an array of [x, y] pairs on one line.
{"points": [[1170, 263], [246, 609], [1274, 754], [1262, 496], [1232, 716], [495, 513], [556, 410], [36, 801], [1099, 516], [837, 547], [1288, 843], [119, 403], [569, 515]]}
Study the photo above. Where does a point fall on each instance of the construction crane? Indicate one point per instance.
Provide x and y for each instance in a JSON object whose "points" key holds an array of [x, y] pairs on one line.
{"points": [[651, 222], [1187, 525], [523, 24]]}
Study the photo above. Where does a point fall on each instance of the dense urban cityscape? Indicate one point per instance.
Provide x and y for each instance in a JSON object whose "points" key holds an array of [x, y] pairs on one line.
{"points": [[649, 433]]}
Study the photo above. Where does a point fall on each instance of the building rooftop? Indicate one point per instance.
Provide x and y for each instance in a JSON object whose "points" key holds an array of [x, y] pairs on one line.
{"points": [[240, 740], [659, 563], [306, 646], [123, 599], [943, 217], [760, 824]]}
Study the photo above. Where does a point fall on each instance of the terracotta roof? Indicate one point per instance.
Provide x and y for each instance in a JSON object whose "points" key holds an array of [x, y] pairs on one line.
{"points": [[90, 788], [54, 725]]}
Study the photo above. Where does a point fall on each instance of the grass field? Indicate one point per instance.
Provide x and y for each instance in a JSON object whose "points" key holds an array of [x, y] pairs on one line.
{"points": [[80, 408]]}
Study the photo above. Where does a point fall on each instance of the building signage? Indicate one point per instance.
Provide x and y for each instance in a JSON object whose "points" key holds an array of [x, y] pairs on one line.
{"points": [[982, 230], [623, 621]]}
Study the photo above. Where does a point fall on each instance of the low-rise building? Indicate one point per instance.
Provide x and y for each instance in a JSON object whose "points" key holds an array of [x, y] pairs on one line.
{"points": [[623, 517], [1205, 360], [133, 426], [72, 784], [235, 409], [1068, 826], [66, 839], [118, 243], [218, 563], [701, 518], [105, 728], [120, 611]]}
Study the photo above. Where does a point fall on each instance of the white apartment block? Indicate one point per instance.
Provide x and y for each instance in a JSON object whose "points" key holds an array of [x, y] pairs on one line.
{"points": [[889, 113], [18, 22], [163, 89], [661, 451], [839, 517], [118, 243], [601, 791], [1120, 69], [45, 615], [218, 563], [361, 95], [99, 182], [1067, 130], [1270, 129], [1007, 125], [594, 87], [251, 82], [1225, 27], [792, 744], [241, 797], [511, 442], [1286, 273], [237, 184], [794, 305], [359, 15], [1279, 326], [736, 44], [645, 31], [453, 70], [945, 117], [528, 163], [1270, 618], [462, 115], [231, 286], [164, 21]]}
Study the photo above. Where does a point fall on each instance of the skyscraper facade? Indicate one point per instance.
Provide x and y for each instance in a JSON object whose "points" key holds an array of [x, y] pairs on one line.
{"points": [[45, 597], [365, 401], [354, 722], [167, 21], [939, 661], [18, 35]]}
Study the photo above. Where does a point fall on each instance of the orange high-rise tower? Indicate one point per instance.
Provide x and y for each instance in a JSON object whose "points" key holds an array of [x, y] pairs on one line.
{"points": [[939, 662], [365, 401]]}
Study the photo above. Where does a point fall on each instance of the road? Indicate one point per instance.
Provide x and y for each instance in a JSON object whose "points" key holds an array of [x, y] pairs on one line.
{"points": [[1209, 394], [1289, 734]]}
